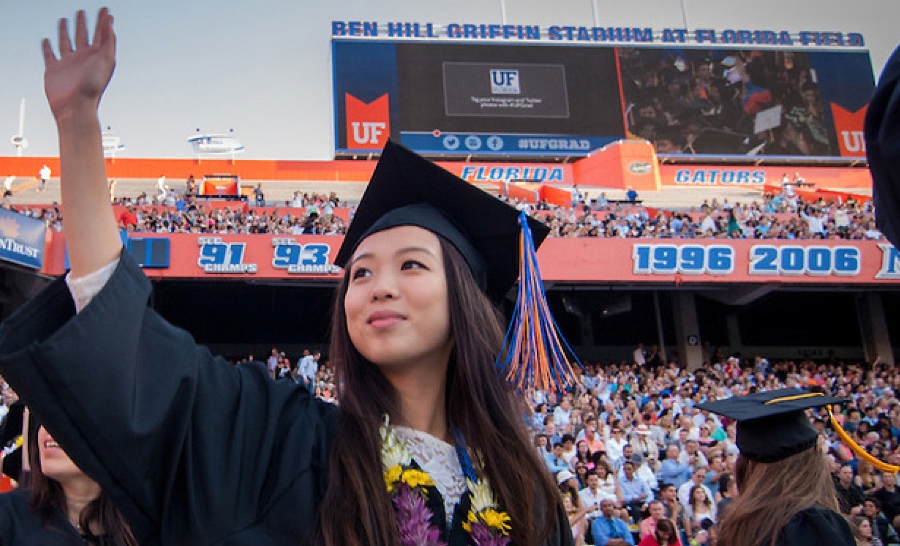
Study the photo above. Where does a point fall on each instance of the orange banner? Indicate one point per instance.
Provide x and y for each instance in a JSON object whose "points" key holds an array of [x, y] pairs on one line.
{"points": [[849, 128], [564, 260]]}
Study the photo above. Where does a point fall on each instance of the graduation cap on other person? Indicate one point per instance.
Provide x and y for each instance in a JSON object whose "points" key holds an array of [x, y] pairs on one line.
{"points": [[496, 241], [772, 425], [882, 136]]}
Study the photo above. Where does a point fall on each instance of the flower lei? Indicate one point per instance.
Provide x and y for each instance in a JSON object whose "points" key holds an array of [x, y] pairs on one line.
{"points": [[485, 523]]}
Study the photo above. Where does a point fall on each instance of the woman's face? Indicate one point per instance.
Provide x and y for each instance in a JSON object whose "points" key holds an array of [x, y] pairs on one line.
{"points": [[699, 495], [865, 528], [397, 302], [55, 463], [663, 534]]}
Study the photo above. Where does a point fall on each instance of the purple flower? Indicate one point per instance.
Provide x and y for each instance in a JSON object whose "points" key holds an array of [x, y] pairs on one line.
{"points": [[414, 519], [482, 536]]}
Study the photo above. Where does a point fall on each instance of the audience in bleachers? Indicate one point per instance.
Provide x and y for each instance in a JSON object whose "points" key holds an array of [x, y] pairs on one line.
{"points": [[633, 436], [775, 216]]}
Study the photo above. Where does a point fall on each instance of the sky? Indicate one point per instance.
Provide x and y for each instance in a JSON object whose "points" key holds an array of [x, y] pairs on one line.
{"points": [[263, 68]]}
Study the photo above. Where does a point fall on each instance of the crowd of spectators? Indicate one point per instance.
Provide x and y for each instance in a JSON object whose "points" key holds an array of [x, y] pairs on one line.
{"points": [[631, 436], [777, 215], [707, 101], [636, 460], [633, 454]]}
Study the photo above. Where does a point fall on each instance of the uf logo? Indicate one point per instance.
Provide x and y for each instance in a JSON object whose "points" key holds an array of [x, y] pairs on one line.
{"points": [[505, 82], [368, 132], [854, 141]]}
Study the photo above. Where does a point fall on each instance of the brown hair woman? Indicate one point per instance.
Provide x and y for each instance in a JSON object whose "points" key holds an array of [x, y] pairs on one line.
{"points": [[428, 444], [786, 492]]}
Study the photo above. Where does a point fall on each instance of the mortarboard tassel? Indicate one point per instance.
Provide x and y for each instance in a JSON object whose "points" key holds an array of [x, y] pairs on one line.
{"points": [[855, 448], [534, 352]]}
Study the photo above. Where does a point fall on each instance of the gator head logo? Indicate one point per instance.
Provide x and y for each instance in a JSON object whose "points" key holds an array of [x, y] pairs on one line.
{"points": [[9, 228], [640, 167]]}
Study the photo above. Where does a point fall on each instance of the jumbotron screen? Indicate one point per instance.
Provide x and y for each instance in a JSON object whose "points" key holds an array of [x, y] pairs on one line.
{"points": [[548, 101]]}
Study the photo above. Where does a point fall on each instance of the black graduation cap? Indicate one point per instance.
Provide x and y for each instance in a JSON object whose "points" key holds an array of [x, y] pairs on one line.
{"points": [[772, 425], [407, 189], [882, 135]]}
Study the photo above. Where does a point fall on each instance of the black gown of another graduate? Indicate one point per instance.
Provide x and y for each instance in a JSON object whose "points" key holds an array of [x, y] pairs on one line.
{"points": [[816, 526], [19, 526], [191, 449]]}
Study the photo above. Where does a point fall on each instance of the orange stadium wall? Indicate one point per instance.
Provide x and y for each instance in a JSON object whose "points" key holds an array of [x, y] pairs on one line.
{"points": [[621, 164], [574, 260], [556, 196], [336, 170], [247, 169]]}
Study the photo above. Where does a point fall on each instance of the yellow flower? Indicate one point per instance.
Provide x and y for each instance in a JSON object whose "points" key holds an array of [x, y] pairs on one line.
{"points": [[496, 520], [414, 478], [467, 525], [391, 476]]}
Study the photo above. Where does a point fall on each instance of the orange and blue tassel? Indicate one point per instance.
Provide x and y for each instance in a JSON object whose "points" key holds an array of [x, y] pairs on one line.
{"points": [[534, 354]]}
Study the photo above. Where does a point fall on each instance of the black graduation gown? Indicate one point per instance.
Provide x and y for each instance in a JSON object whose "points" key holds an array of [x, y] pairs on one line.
{"points": [[816, 526], [191, 449], [19, 526]]}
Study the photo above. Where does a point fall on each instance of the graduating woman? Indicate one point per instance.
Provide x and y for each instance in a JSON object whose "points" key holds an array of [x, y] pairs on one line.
{"points": [[428, 446], [60, 505], [786, 494]]}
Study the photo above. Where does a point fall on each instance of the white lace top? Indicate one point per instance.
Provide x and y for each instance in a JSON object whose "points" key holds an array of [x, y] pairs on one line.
{"points": [[439, 460]]}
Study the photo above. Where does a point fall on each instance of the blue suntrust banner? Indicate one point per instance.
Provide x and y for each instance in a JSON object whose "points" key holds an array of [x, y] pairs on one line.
{"points": [[21, 239]]}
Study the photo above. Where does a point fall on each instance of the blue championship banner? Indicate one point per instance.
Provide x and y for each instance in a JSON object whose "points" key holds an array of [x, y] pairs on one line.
{"points": [[21, 239]]}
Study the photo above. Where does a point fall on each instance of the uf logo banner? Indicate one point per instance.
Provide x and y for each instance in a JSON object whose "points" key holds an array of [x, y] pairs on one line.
{"points": [[368, 125], [849, 128], [505, 82]]}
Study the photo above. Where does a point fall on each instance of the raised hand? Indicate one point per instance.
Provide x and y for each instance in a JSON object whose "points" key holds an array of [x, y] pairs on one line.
{"points": [[77, 78], [74, 83]]}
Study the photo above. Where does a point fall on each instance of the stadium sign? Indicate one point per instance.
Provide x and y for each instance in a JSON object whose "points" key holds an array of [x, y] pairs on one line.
{"points": [[570, 33], [580, 260], [542, 101]]}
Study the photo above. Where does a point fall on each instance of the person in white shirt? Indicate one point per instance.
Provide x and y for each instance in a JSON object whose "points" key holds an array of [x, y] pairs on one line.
{"points": [[44, 173], [7, 185], [643, 471], [691, 455], [684, 492], [307, 369], [615, 446], [639, 357], [591, 496]]}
